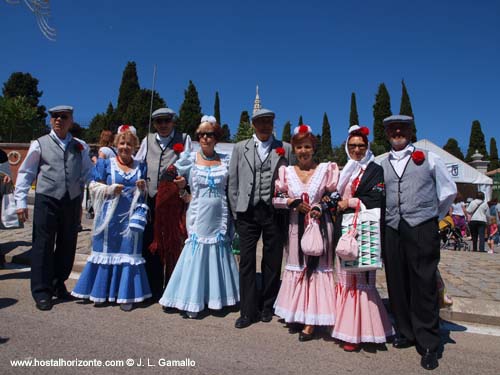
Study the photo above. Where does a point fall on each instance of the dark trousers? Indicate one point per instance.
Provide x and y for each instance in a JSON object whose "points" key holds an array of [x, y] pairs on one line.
{"points": [[477, 230], [154, 266], [250, 225], [411, 260], [54, 221]]}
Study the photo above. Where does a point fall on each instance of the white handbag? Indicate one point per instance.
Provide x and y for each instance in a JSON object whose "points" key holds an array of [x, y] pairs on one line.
{"points": [[9, 212]]}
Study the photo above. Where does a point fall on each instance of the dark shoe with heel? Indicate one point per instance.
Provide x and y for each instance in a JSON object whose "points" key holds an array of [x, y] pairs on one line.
{"points": [[62, 293], [303, 336]]}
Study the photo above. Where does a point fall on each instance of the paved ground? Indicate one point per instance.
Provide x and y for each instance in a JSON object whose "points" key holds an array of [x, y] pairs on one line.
{"points": [[472, 278]]}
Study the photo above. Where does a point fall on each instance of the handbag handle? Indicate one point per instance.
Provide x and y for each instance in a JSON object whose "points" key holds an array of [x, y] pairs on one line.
{"points": [[355, 218]]}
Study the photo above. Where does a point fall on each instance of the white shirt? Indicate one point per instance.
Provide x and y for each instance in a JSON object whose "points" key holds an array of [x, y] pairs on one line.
{"points": [[445, 186], [263, 147], [479, 210], [458, 209], [164, 143], [29, 168]]}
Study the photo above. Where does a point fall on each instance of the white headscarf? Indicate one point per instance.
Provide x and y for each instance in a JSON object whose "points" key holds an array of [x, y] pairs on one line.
{"points": [[353, 167]]}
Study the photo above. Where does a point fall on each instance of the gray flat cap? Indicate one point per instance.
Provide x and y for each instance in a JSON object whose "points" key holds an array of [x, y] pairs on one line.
{"points": [[163, 112], [263, 113], [398, 119], [61, 108]]}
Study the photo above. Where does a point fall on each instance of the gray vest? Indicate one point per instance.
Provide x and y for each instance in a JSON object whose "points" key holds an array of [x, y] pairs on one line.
{"points": [[413, 197], [158, 160], [59, 171], [263, 179]]}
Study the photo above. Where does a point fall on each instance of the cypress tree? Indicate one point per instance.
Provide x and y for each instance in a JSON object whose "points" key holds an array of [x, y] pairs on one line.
{"points": [[476, 141], [287, 133], [353, 116], [494, 163], [339, 155], [245, 130], [301, 122], [326, 140], [405, 109], [137, 113], [381, 110], [217, 108], [129, 87], [226, 133], [452, 147], [190, 112]]}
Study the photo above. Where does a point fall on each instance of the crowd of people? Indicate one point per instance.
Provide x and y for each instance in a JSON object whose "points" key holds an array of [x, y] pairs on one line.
{"points": [[166, 217]]}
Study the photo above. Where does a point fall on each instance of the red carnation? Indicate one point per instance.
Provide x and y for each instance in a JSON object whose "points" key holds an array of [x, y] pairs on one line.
{"points": [[418, 157], [124, 128], [364, 130], [280, 151], [178, 148], [79, 147], [303, 129]]}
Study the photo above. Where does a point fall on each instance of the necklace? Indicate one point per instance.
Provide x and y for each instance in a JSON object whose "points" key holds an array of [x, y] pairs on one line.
{"points": [[120, 161], [208, 158]]}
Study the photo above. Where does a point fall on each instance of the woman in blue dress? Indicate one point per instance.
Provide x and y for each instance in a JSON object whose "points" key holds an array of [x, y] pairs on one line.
{"points": [[115, 270], [206, 272]]}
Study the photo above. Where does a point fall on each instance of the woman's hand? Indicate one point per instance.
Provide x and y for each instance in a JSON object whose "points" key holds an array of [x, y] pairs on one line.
{"points": [[180, 182], [315, 213], [7, 179], [303, 208], [118, 189], [343, 205], [141, 184], [22, 214]]}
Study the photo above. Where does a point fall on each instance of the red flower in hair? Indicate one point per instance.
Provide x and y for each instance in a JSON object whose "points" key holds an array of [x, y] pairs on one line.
{"points": [[364, 130], [418, 157], [280, 151], [178, 148], [303, 129], [79, 147], [124, 128]]}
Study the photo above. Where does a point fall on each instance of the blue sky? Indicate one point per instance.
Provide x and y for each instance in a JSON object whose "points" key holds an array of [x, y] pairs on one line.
{"points": [[306, 57]]}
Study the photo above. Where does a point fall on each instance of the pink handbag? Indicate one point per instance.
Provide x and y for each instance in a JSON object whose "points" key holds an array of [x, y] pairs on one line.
{"points": [[312, 240], [347, 247]]}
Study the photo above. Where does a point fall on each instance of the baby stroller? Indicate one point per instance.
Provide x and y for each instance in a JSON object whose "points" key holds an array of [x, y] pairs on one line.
{"points": [[451, 236]]}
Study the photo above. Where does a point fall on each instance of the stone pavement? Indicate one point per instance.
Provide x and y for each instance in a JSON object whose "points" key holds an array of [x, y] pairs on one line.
{"points": [[472, 279]]}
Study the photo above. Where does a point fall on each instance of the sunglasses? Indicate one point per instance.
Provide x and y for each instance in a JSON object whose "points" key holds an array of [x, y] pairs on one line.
{"points": [[206, 134], [352, 146], [63, 116], [165, 120]]}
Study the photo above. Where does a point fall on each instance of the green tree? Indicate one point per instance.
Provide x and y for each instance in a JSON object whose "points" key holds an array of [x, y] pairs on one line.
{"points": [[25, 85], [381, 110], [190, 112], [217, 108], [494, 163], [19, 120], [339, 155], [245, 130], [128, 89], [476, 142], [100, 122], [325, 148], [226, 133], [353, 116], [287, 132], [137, 113], [301, 122], [452, 147], [405, 109]]}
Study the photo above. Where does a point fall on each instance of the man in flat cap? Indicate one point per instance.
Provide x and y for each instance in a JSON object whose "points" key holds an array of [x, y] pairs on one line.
{"points": [[419, 190], [252, 171], [61, 166], [160, 151]]}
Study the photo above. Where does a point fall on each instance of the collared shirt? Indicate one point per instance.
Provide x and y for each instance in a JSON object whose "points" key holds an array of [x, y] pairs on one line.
{"points": [[164, 142], [445, 186], [263, 147], [29, 168]]}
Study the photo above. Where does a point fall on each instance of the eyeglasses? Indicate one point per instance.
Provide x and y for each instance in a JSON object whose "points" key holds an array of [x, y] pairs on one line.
{"points": [[63, 116], [352, 146], [206, 134]]}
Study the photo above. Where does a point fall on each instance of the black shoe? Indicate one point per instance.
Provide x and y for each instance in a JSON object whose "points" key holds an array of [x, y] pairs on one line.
{"points": [[44, 304], [294, 328], [126, 306], [266, 316], [62, 293], [429, 360], [244, 321], [401, 342], [305, 336]]}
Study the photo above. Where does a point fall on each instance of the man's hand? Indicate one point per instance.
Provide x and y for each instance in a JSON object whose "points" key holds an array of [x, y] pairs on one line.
{"points": [[141, 184], [22, 214]]}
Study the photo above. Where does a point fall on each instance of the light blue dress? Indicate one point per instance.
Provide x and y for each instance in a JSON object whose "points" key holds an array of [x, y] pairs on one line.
{"points": [[206, 272], [115, 269]]}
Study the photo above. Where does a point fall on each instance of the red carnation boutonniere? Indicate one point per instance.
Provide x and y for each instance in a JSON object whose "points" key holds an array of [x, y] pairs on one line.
{"points": [[280, 151], [79, 147], [418, 157], [178, 148]]}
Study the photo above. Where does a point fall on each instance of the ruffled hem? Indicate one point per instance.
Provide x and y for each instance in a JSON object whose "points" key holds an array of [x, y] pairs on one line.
{"points": [[111, 299], [115, 258], [306, 300], [361, 316], [197, 307]]}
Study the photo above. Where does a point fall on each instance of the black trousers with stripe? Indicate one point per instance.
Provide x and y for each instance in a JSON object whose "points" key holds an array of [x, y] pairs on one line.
{"points": [[411, 259]]}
